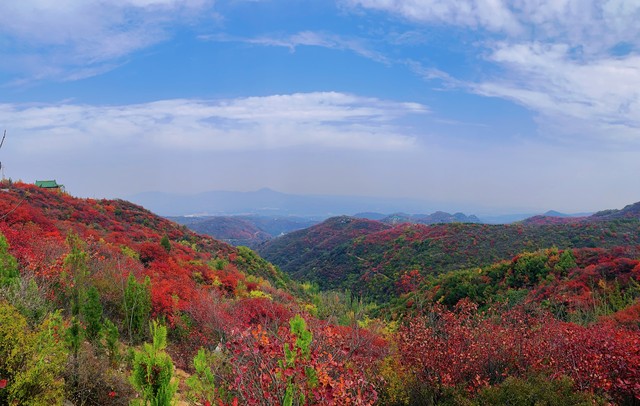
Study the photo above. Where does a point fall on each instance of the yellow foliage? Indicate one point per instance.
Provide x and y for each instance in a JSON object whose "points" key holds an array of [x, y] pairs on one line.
{"points": [[397, 380], [259, 294]]}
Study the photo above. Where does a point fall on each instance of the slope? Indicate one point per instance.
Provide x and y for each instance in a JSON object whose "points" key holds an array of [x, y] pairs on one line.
{"points": [[322, 248], [374, 260], [90, 275], [249, 231]]}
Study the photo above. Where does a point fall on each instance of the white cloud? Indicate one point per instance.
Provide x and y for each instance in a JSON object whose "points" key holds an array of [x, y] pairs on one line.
{"points": [[307, 38], [74, 38], [331, 120], [600, 97], [592, 24], [490, 14], [554, 57]]}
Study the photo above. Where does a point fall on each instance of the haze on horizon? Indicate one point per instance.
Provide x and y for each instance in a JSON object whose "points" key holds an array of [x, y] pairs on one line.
{"points": [[477, 103]]}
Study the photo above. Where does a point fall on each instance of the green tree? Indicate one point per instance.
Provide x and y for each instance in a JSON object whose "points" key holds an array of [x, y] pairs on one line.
{"points": [[153, 369], [565, 262], [137, 307], [111, 336], [76, 264], [31, 360], [92, 312], [164, 242], [301, 348], [202, 382], [8, 265]]}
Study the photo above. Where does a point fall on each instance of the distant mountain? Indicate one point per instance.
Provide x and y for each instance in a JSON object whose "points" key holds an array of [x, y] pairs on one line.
{"points": [[370, 216], [370, 257], [272, 203], [553, 213], [512, 218], [233, 230], [505, 218], [249, 231], [321, 247], [545, 219], [631, 211], [434, 218]]}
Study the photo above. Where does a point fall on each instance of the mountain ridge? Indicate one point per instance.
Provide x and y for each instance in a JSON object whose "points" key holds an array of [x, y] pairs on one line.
{"points": [[373, 260]]}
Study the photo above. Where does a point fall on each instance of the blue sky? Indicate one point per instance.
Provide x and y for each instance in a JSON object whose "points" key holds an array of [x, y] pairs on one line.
{"points": [[486, 105]]}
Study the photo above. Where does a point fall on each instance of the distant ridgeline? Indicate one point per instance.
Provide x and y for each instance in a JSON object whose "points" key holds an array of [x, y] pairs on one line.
{"points": [[254, 230], [250, 231], [371, 257]]}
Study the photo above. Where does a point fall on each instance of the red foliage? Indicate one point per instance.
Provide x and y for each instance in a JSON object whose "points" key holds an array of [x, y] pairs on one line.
{"points": [[465, 347], [229, 278], [409, 282], [629, 317], [150, 252], [261, 372], [263, 311]]}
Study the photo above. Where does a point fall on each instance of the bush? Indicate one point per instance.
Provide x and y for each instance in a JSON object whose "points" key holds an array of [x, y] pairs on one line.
{"points": [[8, 265], [201, 384], [28, 298], [137, 307], [96, 383], [31, 361], [153, 370], [534, 390]]}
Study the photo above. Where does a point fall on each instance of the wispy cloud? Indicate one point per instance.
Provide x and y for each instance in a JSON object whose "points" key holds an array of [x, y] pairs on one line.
{"points": [[491, 14], [599, 98], [307, 38], [69, 39], [576, 63], [592, 24], [330, 120]]}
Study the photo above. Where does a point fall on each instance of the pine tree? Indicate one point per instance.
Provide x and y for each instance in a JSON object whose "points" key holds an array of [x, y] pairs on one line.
{"points": [[111, 336], [137, 307], [153, 369], [76, 263], [92, 312], [202, 383]]}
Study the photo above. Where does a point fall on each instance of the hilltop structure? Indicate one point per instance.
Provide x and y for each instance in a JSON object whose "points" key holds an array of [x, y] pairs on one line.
{"points": [[49, 184]]}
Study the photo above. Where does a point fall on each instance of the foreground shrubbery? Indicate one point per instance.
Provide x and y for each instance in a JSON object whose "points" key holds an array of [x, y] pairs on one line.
{"points": [[32, 359], [468, 349]]}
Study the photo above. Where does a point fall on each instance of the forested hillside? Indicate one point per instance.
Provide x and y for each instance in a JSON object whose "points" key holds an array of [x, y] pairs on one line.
{"points": [[248, 231], [82, 279], [104, 303], [374, 258]]}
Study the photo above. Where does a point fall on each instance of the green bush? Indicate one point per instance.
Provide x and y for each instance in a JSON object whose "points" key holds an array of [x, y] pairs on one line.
{"points": [[28, 298], [537, 390], [111, 336], [137, 307], [92, 312], [153, 369], [8, 265], [202, 383], [32, 361]]}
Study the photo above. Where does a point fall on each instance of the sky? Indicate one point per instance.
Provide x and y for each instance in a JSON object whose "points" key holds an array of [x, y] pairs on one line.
{"points": [[491, 105]]}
